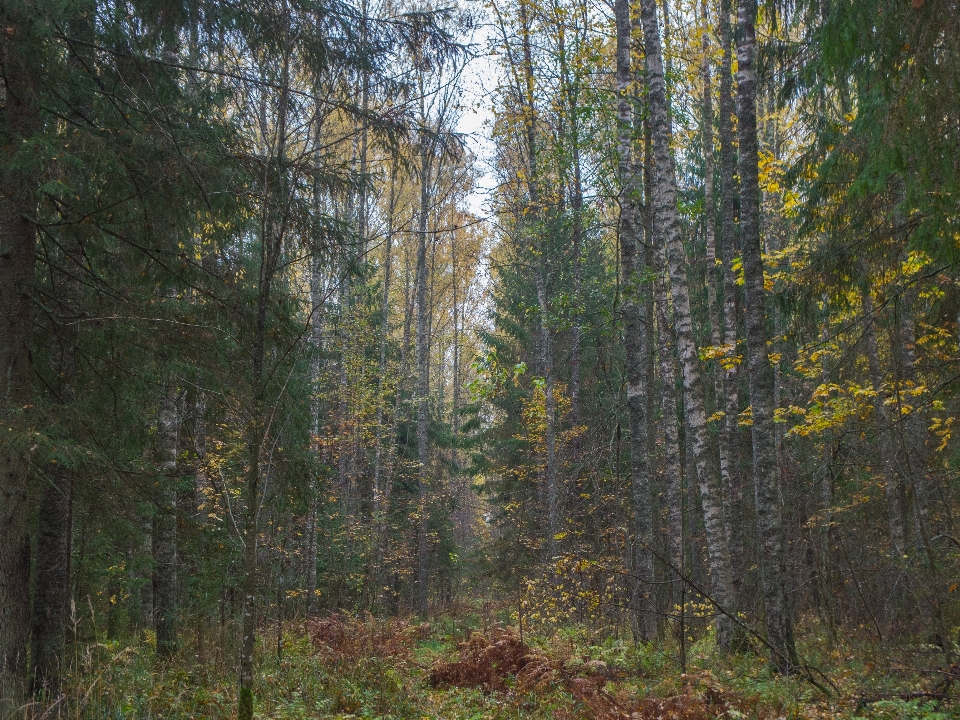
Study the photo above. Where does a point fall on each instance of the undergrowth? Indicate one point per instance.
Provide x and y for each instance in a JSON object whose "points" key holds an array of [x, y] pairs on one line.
{"points": [[467, 666]]}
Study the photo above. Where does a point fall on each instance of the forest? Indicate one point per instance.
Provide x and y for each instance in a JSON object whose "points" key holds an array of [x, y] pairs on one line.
{"points": [[454, 359]]}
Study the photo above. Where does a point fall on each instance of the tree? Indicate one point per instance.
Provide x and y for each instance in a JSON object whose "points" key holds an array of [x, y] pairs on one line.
{"points": [[759, 370], [667, 229]]}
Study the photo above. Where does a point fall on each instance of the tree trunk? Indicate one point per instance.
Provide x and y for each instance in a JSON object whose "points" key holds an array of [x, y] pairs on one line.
{"points": [[317, 317], [423, 384], [634, 307], [168, 430], [550, 410], [673, 472], [730, 431], [895, 509], [760, 371], [572, 102], [667, 228], [914, 427], [549, 490], [379, 494], [52, 568], [709, 210], [52, 581], [18, 202], [272, 235]]}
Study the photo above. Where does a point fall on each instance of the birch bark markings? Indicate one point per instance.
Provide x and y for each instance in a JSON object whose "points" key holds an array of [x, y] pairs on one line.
{"points": [[635, 319], [667, 232], [673, 476], [709, 209], [730, 432], [760, 371]]}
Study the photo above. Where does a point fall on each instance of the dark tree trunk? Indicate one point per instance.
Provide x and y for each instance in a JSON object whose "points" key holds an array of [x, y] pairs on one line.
{"points": [[423, 384], [165, 544], [272, 235], [765, 471], [318, 310], [380, 493], [730, 432], [18, 203], [52, 581], [895, 509]]}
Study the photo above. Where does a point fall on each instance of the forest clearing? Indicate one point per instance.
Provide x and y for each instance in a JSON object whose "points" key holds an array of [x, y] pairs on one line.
{"points": [[479, 359]]}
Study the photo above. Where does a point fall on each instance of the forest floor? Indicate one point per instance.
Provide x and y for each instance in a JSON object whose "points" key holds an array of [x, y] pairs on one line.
{"points": [[468, 666]]}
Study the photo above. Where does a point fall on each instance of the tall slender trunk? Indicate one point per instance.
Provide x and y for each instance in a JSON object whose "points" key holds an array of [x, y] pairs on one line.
{"points": [[914, 427], [272, 236], [18, 202], [146, 568], [379, 494], [634, 307], [825, 504], [550, 411], [667, 229], [165, 544], [912, 440], [895, 509], [52, 583], [344, 425], [760, 370], [423, 381], [52, 568], [461, 488], [672, 470], [549, 488], [317, 316], [54, 522], [709, 212], [572, 102], [730, 432]]}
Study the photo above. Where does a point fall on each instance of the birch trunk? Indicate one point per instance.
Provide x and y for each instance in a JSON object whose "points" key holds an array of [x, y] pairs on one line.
{"points": [[672, 470], [667, 230], [760, 371], [635, 320], [709, 213]]}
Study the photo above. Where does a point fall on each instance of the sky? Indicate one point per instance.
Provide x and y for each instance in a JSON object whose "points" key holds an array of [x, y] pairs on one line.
{"points": [[479, 82]]}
